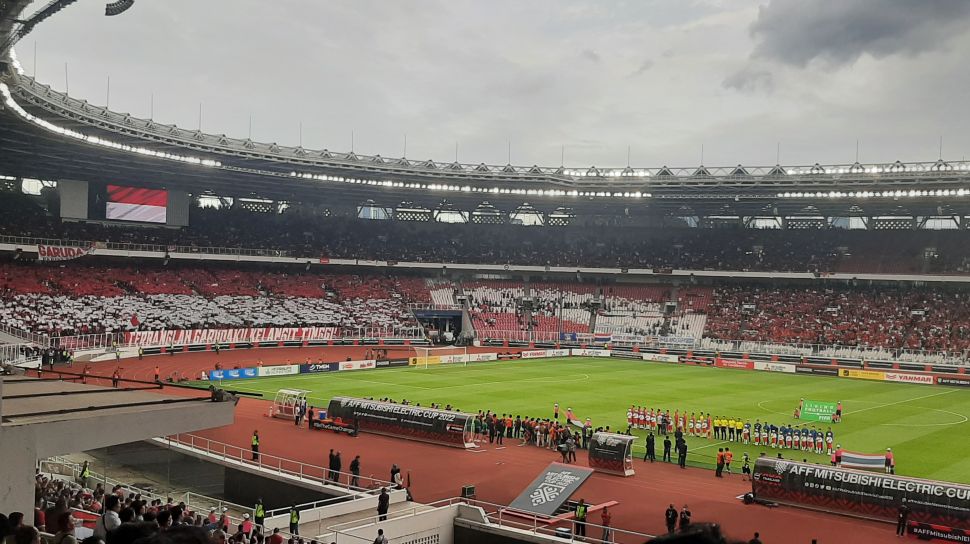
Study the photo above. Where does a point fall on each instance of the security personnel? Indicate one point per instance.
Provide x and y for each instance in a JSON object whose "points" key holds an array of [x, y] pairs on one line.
{"points": [[651, 448], [667, 449], [581, 518], [259, 512], [670, 517], [85, 475], [255, 445], [294, 521]]}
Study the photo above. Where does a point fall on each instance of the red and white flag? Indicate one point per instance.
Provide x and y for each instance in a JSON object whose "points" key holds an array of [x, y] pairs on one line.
{"points": [[136, 204]]}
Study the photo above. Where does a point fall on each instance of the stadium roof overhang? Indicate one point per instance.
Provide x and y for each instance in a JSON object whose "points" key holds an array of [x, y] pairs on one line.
{"points": [[50, 135]]}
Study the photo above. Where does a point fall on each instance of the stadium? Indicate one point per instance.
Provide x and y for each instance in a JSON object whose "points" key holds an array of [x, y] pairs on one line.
{"points": [[189, 320]]}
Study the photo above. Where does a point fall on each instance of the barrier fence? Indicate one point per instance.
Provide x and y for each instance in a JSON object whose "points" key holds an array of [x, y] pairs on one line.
{"points": [[273, 463]]}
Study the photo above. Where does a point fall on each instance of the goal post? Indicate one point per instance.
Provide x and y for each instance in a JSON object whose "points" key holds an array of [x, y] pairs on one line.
{"points": [[425, 357]]}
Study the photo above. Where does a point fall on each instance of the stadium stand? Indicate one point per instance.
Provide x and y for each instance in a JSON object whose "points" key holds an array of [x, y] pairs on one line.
{"points": [[304, 234], [81, 300]]}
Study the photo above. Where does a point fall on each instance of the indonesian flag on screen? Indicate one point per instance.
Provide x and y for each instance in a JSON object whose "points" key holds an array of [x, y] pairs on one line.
{"points": [[136, 204]]}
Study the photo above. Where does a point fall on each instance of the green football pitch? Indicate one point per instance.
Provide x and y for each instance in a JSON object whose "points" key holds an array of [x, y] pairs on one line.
{"points": [[925, 426]]}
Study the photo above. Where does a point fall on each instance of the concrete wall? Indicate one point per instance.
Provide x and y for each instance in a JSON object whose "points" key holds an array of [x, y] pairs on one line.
{"points": [[22, 445], [432, 526], [366, 503], [244, 488]]}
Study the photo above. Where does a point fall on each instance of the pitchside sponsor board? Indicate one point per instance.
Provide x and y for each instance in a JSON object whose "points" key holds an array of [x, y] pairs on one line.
{"points": [[232, 374], [661, 357], [590, 352], [909, 378], [877, 375], [941, 533], [540, 353], [875, 496], [314, 368], [813, 370], [733, 363], [817, 410], [951, 380], [405, 421], [774, 367], [278, 370], [608, 452], [551, 489]]}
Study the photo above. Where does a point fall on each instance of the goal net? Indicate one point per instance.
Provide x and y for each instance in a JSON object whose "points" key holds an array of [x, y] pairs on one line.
{"points": [[425, 356]]}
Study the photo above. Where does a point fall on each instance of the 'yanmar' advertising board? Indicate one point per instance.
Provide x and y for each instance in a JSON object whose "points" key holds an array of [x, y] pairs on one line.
{"points": [[865, 494], [406, 421]]}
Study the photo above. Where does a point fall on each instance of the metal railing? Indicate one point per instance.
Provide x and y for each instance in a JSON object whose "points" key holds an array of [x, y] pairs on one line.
{"points": [[279, 465], [194, 501], [502, 516], [958, 358], [26, 336]]}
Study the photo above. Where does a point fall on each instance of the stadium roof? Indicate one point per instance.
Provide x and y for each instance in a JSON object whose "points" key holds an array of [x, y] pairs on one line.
{"points": [[47, 134]]}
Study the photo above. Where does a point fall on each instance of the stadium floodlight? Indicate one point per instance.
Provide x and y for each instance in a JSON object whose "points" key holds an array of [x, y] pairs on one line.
{"points": [[117, 8]]}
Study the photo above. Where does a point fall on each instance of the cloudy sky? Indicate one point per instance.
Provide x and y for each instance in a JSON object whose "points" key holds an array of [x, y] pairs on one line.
{"points": [[663, 78]]}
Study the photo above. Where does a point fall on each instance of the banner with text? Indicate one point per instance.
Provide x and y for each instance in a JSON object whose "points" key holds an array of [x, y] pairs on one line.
{"points": [[875, 496], [278, 370], [660, 357], [62, 253], [231, 336], [909, 378], [358, 365], [734, 363], [590, 352], [542, 353], [232, 374], [405, 421], [774, 367], [817, 410], [316, 368], [862, 374]]}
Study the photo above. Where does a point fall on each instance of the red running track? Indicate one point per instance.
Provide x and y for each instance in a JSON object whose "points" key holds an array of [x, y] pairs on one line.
{"points": [[499, 474]]}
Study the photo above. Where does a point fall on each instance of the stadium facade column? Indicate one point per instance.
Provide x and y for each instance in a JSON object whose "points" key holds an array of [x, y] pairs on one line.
{"points": [[23, 445], [19, 459]]}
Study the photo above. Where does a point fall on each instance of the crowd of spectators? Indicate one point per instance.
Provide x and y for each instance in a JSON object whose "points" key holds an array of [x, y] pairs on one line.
{"points": [[72, 300], [881, 317], [306, 232]]}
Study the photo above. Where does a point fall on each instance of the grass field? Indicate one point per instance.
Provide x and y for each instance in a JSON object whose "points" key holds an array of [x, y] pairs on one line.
{"points": [[926, 426]]}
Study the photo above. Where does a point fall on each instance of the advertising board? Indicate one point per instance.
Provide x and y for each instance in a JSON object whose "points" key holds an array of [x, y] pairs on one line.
{"points": [[444, 427], [660, 357], [278, 370], [358, 365], [576, 352], [865, 494], [774, 367], [232, 374], [720, 362], [877, 375]]}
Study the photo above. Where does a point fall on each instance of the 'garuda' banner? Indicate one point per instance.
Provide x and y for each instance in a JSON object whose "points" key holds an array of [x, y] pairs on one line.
{"points": [[551, 489], [817, 410], [406, 421], [876, 496]]}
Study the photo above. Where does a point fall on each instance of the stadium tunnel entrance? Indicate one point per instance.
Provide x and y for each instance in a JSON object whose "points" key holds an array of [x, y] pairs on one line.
{"points": [[444, 326]]}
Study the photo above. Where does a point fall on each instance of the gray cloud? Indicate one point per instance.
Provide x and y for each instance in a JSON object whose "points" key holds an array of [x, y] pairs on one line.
{"points": [[750, 79], [644, 67], [838, 32], [590, 55]]}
